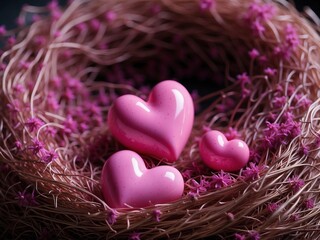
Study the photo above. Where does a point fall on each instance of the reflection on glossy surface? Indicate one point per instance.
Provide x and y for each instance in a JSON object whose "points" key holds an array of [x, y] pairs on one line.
{"points": [[159, 127], [179, 102], [143, 106], [136, 168], [125, 180]]}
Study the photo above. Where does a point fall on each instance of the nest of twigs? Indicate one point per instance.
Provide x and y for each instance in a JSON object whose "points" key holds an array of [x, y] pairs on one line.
{"points": [[253, 70]]}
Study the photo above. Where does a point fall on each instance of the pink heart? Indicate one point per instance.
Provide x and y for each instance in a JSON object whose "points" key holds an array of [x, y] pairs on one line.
{"points": [[220, 154], [125, 180], [159, 127]]}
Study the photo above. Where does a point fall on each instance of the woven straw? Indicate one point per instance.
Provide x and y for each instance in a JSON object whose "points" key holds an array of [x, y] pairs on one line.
{"points": [[255, 66]]}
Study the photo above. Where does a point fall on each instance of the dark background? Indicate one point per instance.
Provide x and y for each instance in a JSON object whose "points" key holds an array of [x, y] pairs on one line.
{"points": [[9, 9]]}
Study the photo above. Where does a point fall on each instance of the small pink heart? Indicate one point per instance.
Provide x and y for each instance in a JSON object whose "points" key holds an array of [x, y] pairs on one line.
{"points": [[125, 180], [159, 127], [220, 154]]}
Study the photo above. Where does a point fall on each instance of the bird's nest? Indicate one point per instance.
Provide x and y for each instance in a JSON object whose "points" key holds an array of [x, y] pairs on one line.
{"points": [[253, 70]]}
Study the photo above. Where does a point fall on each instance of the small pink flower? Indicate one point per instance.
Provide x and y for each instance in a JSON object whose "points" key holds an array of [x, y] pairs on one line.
{"points": [[255, 156], [11, 40], [296, 183], [254, 235], [69, 94], [13, 107], [252, 172], [110, 16], [221, 180], [305, 149], [70, 125], [206, 4], [26, 199], [18, 145], [81, 27], [239, 236], [257, 28], [279, 102], [243, 78], [36, 146], [33, 124], [272, 207], [95, 24], [3, 30], [309, 203], [112, 217], [292, 38], [48, 156], [51, 131], [135, 236], [271, 72], [19, 88], [156, 214], [294, 217], [254, 53], [186, 174], [53, 5]]}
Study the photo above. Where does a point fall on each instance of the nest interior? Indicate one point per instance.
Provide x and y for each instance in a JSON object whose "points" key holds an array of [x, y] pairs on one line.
{"points": [[252, 69]]}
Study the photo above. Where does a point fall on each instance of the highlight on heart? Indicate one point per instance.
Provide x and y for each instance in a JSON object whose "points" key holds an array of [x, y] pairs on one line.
{"points": [[83, 82]]}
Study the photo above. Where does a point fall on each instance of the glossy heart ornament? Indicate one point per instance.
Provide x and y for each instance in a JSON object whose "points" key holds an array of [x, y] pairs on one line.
{"points": [[125, 180], [220, 154], [159, 127]]}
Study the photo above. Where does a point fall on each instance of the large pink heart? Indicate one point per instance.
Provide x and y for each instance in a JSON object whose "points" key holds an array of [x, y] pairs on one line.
{"points": [[159, 127], [125, 180], [220, 154]]}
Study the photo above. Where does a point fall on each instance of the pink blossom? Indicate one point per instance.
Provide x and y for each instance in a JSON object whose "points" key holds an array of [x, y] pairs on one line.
{"points": [[48, 156], [271, 72], [33, 124], [18, 145], [252, 172], [296, 183], [254, 53], [135, 236], [279, 102], [309, 203], [53, 5], [95, 24], [243, 78], [156, 214], [257, 27], [255, 156], [206, 4], [292, 38], [272, 207], [3, 30], [70, 125], [221, 180], [304, 149], [11, 40], [110, 16], [112, 217], [26, 199], [36, 146], [254, 235], [13, 107], [239, 236], [294, 217]]}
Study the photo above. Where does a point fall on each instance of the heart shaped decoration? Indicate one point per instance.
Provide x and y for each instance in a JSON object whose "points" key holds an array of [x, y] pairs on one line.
{"points": [[220, 154], [159, 127], [126, 181]]}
